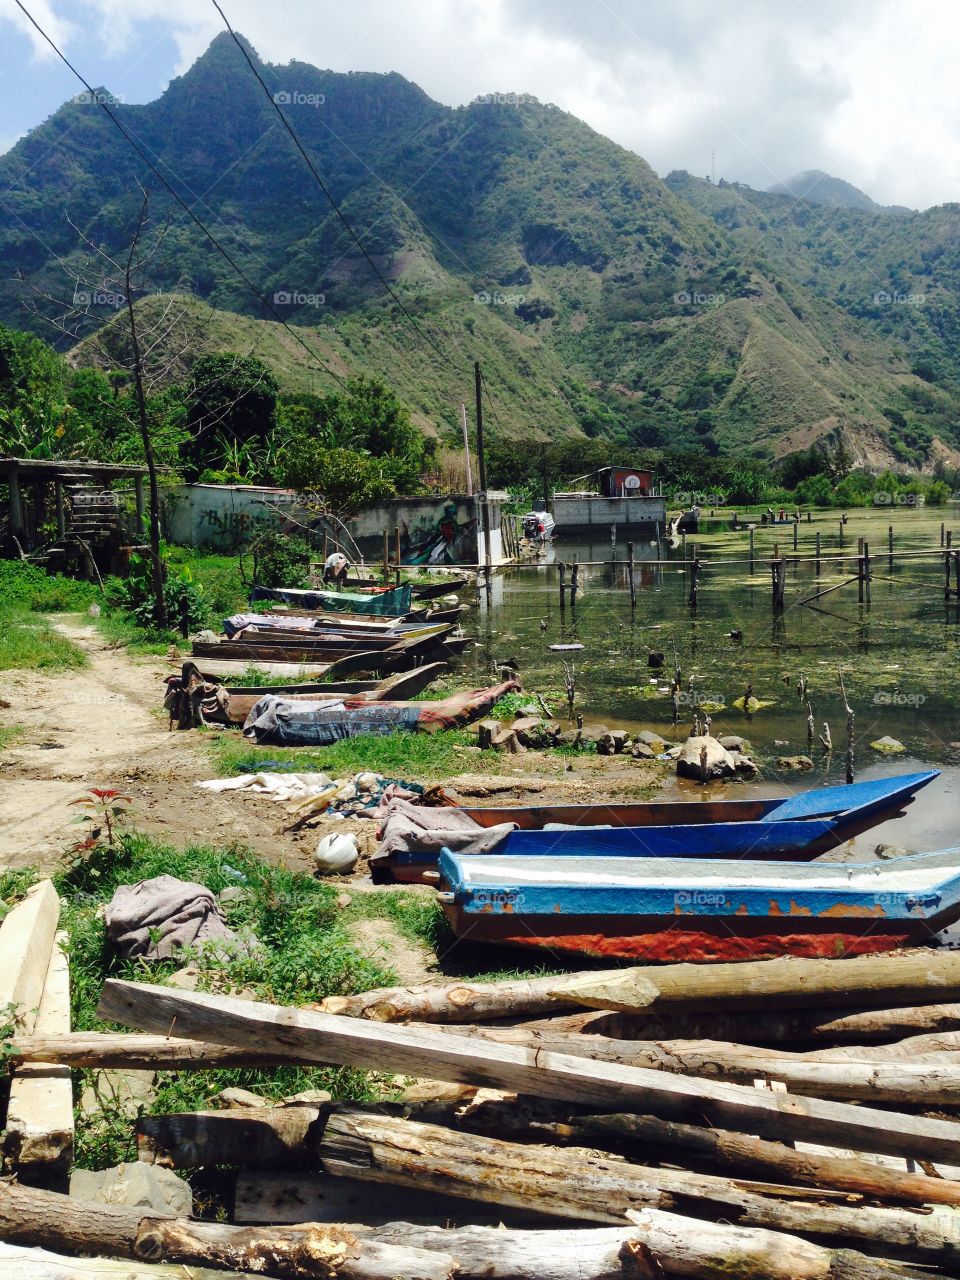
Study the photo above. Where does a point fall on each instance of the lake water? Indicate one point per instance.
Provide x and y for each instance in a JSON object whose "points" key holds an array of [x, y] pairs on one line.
{"points": [[898, 653]]}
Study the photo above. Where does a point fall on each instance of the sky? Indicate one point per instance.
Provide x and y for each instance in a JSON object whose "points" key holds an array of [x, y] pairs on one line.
{"points": [[753, 90]]}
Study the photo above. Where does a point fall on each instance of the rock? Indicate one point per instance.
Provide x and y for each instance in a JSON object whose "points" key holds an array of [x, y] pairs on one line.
{"points": [[744, 766], [718, 763], [309, 1097], [612, 743], [184, 979], [732, 743], [593, 732], [780, 742], [640, 751], [652, 740], [530, 709], [888, 746], [113, 1092], [506, 740], [240, 1098], [534, 731], [485, 730], [343, 900], [232, 893], [136, 1185], [570, 738], [794, 762], [893, 851]]}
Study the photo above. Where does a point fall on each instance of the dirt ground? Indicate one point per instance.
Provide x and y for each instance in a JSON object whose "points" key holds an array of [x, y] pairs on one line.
{"points": [[104, 726]]}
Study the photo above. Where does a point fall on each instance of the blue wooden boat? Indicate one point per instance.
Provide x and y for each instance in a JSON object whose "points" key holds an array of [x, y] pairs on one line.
{"points": [[856, 802], [669, 909], [392, 603]]}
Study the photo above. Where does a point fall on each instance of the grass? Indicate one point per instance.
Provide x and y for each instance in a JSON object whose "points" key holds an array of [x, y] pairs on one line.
{"points": [[27, 640], [419, 756], [9, 734]]}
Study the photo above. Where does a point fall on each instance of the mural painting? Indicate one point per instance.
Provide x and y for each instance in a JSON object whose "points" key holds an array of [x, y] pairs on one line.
{"points": [[439, 539]]}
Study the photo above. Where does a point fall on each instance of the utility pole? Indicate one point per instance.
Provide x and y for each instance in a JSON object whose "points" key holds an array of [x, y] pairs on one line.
{"points": [[482, 469], [466, 447], [543, 469]]}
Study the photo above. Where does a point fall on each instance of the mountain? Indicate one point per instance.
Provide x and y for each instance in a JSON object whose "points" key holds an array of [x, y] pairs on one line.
{"points": [[822, 188], [598, 297]]}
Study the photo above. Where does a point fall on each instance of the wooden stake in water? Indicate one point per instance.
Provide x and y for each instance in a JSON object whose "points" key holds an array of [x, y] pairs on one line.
{"points": [[751, 548], [860, 570], [890, 546], [562, 576], [574, 583], [850, 720], [631, 580], [866, 568], [817, 565], [694, 575], [796, 533]]}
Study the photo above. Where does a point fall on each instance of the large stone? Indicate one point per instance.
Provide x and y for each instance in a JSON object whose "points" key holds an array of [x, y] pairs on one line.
{"points": [[640, 751], [731, 742], [703, 758], [888, 746], [115, 1092], [534, 731], [240, 1098], [652, 740], [612, 743], [137, 1186], [794, 762]]}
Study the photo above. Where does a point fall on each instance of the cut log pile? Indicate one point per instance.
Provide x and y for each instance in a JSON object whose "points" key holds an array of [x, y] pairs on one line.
{"points": [[778, 1119]]}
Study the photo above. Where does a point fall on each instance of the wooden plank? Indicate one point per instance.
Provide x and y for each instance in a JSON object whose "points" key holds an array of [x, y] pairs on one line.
{"points": [[39, 1129], [19, 1262], [908, 977], [26, 944], [436, 1054]]}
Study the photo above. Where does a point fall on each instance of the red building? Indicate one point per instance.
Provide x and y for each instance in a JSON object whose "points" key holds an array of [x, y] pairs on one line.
{"points": [[625, 482]]}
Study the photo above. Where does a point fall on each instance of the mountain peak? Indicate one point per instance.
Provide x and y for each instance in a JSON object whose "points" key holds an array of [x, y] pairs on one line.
{"points": [[823, 188]]}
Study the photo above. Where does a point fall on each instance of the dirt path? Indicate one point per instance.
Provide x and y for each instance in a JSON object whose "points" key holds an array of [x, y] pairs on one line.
{"points": [[104, 726]]}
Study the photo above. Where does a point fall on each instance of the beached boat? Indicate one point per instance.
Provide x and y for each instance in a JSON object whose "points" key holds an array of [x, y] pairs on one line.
{"points": [[856, 801], [669, 909], [390, 603], [538, 526]]}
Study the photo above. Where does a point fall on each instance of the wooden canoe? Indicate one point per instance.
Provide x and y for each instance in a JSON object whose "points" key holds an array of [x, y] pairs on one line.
{"points": [[868, 799], [668, 909], [406, 684]]}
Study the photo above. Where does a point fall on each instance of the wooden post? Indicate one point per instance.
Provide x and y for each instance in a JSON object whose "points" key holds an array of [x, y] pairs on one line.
{"points": [[562, 575], [694, 576], [631, 579], [866, 568], [613, 548], [386, 557], [946, 575], [574, 583], [956, 571], [859, 570], [796, 533], [817, 564], [949, 539], [942, 532], [141, 505], [890, 547], [683, 545], [841, 533], [656, 529], [396, 539], [751, 548]]}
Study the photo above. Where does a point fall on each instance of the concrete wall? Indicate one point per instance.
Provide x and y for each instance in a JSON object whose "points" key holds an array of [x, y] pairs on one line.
{"points": [[433, 530], [593, 512]]}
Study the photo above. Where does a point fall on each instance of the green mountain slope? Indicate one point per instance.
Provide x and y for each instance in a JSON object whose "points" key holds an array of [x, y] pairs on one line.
{"points": [[599, 298]]}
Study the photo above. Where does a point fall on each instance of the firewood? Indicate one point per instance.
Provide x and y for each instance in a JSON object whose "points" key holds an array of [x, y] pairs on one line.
{"points": [[256, 1137], [576, 1183], [435, 1053], [451, 1001], [40, 1264]]}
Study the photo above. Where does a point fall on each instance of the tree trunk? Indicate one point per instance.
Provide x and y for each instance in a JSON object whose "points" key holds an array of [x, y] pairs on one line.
{"points": [[137, 1052], [739, 1155], [906, 977], [437, 1054], [575, 1183], [451, 1001], [879, 1078]]}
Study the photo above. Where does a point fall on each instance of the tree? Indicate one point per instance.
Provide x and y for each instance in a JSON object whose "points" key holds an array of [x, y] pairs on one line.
{"points": [[340, 481], [231, 402]]}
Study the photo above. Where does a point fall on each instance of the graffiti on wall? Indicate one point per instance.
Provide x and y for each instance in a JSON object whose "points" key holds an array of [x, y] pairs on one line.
{"points": [[439, 539]]}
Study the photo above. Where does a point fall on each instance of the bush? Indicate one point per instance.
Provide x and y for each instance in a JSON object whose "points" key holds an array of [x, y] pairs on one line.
{"points": [[279, 560]]}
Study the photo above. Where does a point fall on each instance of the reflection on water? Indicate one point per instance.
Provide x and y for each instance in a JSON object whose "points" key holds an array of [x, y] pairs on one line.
{"points": [[898, 653]]}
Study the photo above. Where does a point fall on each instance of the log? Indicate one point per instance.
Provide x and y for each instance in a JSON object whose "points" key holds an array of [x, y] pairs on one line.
{"points": [[115, 1049], [671, 1245], [437, 1054], [934, 1080], [576, 1183], [905, 977], [26, 944], [29, 1216], [257, 1137], [738, 1154], [21, 1263], [451, 1001], [39, 1128], [656, 1244]]}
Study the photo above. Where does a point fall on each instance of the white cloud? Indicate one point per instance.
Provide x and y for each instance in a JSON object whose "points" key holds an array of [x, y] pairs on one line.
{"points": [[865, 90]]}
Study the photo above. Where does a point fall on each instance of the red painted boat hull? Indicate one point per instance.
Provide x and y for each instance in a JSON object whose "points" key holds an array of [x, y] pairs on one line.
{"points": [[667, 940]]}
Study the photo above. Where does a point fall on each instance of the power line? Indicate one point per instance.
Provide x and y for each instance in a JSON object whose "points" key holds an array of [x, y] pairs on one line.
{"points": [[323, 187], [224, 253]]}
